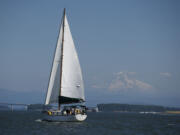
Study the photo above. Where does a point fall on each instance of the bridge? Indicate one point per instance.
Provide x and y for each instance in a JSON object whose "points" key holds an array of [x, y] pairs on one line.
{"points": [[15, 104]]}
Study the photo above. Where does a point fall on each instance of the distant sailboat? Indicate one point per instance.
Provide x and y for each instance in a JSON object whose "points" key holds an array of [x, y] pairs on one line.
{"points": [[65, 83]]}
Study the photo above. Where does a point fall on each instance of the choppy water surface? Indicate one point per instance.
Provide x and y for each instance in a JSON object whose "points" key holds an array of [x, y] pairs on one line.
{"points": [[29, 123]]}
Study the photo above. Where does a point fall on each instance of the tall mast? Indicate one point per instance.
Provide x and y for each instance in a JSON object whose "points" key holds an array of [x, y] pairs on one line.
{"points": [[59, 105]]}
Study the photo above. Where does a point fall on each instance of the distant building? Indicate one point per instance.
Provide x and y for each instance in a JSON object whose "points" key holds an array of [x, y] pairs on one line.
{"points": [[92, 109]]}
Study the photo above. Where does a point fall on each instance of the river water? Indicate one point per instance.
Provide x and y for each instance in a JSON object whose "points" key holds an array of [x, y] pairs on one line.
{"points": [[102, 123]]}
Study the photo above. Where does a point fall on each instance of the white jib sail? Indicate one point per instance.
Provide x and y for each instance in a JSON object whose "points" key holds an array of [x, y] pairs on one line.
{"points": [[72, 82]]}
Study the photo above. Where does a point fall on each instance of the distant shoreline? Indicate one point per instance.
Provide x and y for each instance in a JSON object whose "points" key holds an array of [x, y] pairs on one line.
{"points": [[115, 107], [111, 107]]}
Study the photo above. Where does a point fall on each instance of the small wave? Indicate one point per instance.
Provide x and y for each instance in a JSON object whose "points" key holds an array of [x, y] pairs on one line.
{"points": [[171, 124], [38, 120]]}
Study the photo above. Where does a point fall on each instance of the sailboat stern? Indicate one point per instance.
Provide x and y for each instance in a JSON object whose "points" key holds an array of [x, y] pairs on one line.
{"points": [[81, 117]]}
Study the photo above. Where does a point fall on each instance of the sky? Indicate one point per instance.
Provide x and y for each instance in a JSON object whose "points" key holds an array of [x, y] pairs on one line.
{"points": [[129, 50]]}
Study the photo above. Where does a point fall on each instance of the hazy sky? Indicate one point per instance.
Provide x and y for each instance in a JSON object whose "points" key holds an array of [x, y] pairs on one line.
{"points": [[129, 50]]}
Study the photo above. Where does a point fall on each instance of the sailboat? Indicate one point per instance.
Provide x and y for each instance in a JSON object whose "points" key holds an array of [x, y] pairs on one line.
{"points": [[65, 83]]}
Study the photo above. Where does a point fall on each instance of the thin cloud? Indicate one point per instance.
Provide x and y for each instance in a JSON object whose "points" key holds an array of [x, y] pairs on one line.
{"points": [[131, 73], [98, 86], [165, 74]]}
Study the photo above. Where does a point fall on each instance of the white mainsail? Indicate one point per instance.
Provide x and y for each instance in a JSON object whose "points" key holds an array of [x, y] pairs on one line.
{"points": [[72, 82]]}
